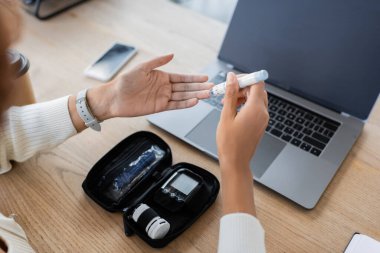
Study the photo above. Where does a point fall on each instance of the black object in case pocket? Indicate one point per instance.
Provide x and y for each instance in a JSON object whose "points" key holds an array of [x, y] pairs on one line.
{"points": [[133, 172]]}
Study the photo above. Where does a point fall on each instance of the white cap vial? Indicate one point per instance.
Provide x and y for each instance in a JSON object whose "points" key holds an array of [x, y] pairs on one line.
{"points": [[155, 226]]}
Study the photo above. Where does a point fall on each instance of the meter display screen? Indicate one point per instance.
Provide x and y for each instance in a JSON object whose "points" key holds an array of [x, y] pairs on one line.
{"points": [[184, 184]]}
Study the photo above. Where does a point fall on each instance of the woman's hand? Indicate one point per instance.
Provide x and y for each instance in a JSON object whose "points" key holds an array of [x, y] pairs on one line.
{"points": [[145, 90], [239, 133], [237, 136]]}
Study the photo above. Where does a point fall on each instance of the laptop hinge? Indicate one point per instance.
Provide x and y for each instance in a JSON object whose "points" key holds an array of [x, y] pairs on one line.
{"points": [[346, 115]]}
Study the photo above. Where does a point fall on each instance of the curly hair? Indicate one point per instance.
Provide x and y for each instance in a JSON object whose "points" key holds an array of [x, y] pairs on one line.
{"points": [[10, 26]]}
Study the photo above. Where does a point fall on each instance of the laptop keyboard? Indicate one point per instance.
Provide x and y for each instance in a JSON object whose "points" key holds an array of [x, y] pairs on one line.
{"points": [[291, 123], [216, 101]]}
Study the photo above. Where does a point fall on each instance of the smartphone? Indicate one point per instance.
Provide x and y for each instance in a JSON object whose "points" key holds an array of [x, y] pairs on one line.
{"points": [[362, 243], [110, 62]]}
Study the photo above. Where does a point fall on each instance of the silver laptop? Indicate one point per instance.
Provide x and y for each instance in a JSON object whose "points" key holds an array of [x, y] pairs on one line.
{"points": [[323, 59]]}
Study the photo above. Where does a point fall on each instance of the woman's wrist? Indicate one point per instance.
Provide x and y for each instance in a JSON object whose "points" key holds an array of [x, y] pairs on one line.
{"points": [[235, 171], [237, 191], [233, 165], [99, 100]]}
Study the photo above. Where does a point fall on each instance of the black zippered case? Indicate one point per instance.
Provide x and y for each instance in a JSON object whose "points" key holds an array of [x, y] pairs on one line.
{"points": [[105, 185]]}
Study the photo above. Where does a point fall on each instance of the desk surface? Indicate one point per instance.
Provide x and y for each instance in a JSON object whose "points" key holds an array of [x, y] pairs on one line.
{"points": [[46, 191]]}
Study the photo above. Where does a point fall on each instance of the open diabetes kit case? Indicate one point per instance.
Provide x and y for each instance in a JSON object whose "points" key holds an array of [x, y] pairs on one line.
{"points": [[137, 174]]}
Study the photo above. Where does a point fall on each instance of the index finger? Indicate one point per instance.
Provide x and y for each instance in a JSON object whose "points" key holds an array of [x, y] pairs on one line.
{"points": [[180, 78], [256, 94], [256, 103]]}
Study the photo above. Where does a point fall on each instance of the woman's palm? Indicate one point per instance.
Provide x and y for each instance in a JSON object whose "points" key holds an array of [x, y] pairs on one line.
{"points": [[145, 90]]}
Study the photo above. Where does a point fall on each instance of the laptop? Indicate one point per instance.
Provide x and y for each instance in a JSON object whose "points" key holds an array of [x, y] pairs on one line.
{"points": [[323, 59]]}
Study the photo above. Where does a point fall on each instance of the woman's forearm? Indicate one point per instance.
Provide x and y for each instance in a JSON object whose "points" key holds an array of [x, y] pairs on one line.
{"points": [[237, 190], [29, 129], [237, 137]]}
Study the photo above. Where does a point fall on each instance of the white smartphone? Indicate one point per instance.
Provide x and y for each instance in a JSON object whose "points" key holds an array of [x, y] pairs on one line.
{"points": [[110, 62]]}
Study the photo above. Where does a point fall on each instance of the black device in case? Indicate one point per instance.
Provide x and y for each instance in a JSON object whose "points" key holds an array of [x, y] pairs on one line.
{"points": [[135, 171]]}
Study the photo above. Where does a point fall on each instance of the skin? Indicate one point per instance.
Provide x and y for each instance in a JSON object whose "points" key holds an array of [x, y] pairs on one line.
{"points": [[146, 90], [142, 91], [237, 137]]}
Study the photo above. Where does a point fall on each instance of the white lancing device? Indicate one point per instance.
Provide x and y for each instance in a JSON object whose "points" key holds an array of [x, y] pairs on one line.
{"points": [[244, 81]]}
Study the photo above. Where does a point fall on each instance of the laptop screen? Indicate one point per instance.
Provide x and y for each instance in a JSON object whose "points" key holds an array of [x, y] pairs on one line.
{"points": [[325, 51]]}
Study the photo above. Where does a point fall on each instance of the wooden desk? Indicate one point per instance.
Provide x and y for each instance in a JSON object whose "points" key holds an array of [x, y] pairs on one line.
{"points": [[46, 191]]}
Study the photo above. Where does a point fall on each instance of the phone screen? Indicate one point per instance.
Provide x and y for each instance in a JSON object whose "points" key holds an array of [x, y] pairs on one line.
{"points": [[111, 62]]}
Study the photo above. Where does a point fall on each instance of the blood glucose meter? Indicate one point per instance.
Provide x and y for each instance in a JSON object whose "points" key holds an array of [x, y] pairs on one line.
{"points": [[178, 189]]}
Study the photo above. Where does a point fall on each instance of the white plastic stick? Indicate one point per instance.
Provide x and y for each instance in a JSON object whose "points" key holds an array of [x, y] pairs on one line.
{"points": [[244, 81]]}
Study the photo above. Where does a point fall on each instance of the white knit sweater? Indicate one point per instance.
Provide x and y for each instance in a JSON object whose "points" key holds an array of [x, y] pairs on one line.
{"points": [[30, 129]]}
